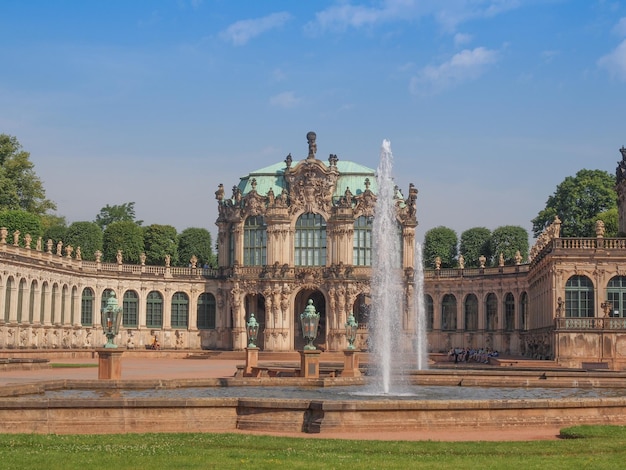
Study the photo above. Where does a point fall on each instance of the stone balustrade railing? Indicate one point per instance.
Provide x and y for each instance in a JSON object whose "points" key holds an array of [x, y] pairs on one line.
{"points": [[591, 323]]}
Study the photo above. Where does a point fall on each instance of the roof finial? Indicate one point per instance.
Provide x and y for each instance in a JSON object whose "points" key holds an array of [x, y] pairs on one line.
{"points": [[310, 137]]}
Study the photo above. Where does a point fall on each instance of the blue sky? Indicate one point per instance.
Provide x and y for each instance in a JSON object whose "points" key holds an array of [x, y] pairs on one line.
{"points": [[488, 104]]}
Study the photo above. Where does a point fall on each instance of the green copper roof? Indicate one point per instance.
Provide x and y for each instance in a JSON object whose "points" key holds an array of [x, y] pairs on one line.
{"points": [[351, 175]]}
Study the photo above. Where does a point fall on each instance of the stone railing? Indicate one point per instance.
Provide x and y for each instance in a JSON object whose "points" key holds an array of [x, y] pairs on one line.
{"points": [[595, 243], [591, 323], [473, 272]]}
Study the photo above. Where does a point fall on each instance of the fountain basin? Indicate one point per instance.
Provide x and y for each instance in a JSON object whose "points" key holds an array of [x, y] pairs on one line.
{"points": [[26, 409]]}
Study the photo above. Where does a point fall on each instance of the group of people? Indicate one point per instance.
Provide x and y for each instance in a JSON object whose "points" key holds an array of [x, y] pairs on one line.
{"points": [[480, 355]]}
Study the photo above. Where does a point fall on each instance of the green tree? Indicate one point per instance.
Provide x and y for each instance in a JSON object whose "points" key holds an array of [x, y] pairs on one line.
{"points": [[54, 228], [196, 242], [577, 201], [611, 222], [160, 240], [86, 235], [117, 213], [26, 222], [126, 236], [474, 243], [20, 187], [442, 242], [507, 240]]}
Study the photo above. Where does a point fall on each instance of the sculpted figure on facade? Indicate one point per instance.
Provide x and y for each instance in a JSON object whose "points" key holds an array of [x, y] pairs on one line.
{"points": [[27, 241], [3, 235], [599, 228], [79, 254], [69, 249], [461, 262], [16, 238], [49, 246], [98, 256], [311, 137], [119, 257], [39, 242]]}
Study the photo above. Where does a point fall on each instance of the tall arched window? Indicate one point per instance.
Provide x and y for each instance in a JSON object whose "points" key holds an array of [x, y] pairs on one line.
{"points": [[579, 297], [616, 294], [180, 310], [130, 308], [206, 311], [362, 241], [86, 307], [254, 241], [430, 312], [448, 312], [523, 310], [491, 312], [21, 315], [509, 312], [7, 299], [471, 312], [154, 310], [310, 240]]}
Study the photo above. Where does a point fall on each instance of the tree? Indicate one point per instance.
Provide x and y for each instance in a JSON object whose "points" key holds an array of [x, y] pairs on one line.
{"points": [[474, 243], [117, 213], [86, 235], [20, 187], [196, 242], [160, 240], [440, 242], [577, 201], [54, 228], [126, 236], [27, 223], [509, 239], [611, 222]]}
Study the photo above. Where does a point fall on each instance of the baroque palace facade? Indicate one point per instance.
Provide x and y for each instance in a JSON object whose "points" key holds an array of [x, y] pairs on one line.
{"points": [[300, 230]]}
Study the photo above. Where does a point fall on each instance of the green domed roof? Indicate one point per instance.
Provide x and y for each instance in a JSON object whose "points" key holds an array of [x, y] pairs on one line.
{"points": [[351, 175]]}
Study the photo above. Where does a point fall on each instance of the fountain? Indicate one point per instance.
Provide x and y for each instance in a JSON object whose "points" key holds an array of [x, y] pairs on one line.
{"points": [[421, 339]]}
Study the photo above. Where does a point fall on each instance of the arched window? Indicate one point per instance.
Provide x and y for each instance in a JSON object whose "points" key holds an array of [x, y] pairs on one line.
{"points": [[523, 310], [86, 307], [430, 312], [471, 312], [154, 310], [130, 308], [491, 312], [21, 315], [180, 310], [509, 312], [362, 241], [310, 240], [105, 297], [448, 312], [7, 299], [254, 241], [616, 294], [206, 312], [579, 297]]}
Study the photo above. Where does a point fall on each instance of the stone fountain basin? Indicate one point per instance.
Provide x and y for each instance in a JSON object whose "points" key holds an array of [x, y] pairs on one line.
{"points": [[62, 407]]}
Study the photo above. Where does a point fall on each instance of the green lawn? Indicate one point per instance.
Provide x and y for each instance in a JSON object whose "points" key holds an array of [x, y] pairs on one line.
{"points": [[587, 447]]}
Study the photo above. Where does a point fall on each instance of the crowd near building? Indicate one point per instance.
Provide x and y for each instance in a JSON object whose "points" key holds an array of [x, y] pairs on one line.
{"points": [[300, 230]]}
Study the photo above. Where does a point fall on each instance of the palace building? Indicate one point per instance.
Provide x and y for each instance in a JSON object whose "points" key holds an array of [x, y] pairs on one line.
{"points": [[302, 229]]}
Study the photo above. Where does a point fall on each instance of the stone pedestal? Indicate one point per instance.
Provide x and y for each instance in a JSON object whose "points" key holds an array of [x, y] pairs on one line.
{"points": [[310, 363], [110, 363], [252, 360], [350, 364]]}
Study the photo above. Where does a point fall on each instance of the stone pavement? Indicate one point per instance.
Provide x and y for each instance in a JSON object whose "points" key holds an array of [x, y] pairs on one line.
{"points": [[179, 368]]}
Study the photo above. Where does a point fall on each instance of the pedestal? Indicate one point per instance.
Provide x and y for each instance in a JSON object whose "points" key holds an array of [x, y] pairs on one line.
{"points": [[110, 363], [310, 363], [252, 360], [350, 364]]}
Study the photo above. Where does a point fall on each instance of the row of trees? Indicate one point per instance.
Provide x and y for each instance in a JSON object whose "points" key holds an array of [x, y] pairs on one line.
{"points": [[24, 207], [443, 243]]}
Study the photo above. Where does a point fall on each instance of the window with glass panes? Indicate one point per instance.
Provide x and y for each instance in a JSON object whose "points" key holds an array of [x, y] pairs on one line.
{"points": [[86, 307], [523, 307], [471, 313], [180, 310], [154, 310], [491, 312], [206, 312], [310, 240], [362, 244], [509, 312], [448, 312], [254, 241], [430, 312], [130, 307], [616, 294], [579, 297]]}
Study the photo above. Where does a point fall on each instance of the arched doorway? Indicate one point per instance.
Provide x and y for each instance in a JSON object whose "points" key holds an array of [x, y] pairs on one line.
{"points": [[319, 302]]}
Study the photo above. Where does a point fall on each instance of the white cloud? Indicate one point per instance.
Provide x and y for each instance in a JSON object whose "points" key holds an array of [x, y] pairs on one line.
{"points": [[548, 56], [449, 14], [620, 27], [615, 62], [286, 99], [466, 65], [241, 32], [460, 39]]}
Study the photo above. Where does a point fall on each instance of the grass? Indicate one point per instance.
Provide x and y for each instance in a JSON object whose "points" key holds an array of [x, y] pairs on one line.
{"points": [[586, 447]]}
